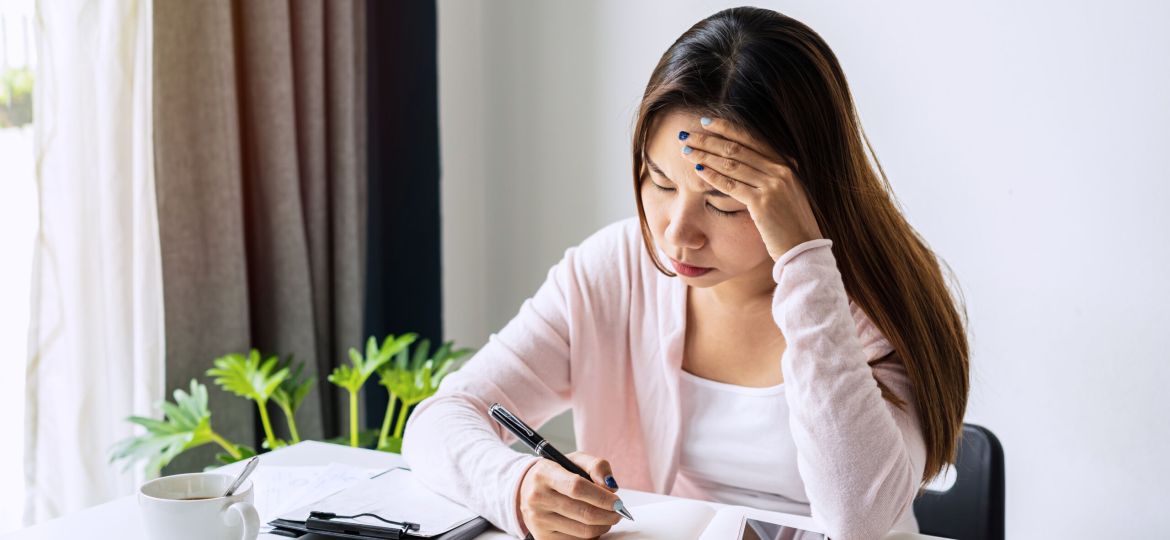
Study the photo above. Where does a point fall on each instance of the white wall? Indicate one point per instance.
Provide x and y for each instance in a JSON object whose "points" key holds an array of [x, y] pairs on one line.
{"points": [[1027, 143]]}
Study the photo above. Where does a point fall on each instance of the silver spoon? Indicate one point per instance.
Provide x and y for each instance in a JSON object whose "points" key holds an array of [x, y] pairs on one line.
{"points": [[251, 466]]}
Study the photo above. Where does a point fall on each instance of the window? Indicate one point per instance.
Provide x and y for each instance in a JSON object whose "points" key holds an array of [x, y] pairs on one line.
{"points": [[18, 221]]}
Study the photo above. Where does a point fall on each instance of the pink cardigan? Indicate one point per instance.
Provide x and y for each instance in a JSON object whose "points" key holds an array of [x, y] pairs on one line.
{"points": [[604, 335]]}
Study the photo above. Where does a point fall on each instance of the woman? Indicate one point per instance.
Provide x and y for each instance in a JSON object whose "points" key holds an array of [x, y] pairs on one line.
{"points": [[804, 356]]}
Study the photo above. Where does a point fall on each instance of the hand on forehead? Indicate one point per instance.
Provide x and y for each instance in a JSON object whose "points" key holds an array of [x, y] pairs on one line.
{"points": [[662, 149], [720, 137]]}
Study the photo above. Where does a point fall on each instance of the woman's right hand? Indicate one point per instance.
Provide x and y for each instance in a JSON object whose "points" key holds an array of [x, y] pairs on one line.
{"points": [[557, 504]]}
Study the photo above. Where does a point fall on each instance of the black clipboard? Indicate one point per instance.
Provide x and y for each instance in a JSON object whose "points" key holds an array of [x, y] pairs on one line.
{"points": [[297, 529], [334, 528]]}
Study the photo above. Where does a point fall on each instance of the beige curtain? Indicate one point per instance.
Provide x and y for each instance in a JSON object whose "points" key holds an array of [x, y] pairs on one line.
{"points": [[260, 141], [96, 326]]}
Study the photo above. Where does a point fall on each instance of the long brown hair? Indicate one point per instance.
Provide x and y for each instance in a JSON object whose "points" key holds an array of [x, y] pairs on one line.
{"points": [[775, 77]]}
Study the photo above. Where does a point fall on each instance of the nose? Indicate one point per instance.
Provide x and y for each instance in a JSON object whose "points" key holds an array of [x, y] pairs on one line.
{"points": [[683, 232]]}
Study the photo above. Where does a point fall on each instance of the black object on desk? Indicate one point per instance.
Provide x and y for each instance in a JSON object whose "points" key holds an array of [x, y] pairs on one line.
{"points": [[389, 498], [322, 522], [314, 527]]}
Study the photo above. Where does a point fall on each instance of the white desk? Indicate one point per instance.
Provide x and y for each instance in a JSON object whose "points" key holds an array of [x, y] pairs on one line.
{"points": [[119, 519]]}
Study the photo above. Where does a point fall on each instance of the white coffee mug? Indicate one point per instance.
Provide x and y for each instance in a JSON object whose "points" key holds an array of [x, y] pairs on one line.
{"points": [[192, 507]]}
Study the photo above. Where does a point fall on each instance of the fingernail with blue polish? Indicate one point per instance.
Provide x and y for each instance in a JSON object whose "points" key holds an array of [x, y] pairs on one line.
{"points": [[682, 135], [687, 149], [705, 121], [609, 481], [698, 166]]}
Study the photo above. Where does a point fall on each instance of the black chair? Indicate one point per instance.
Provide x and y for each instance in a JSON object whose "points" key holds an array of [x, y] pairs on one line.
{"points": [[972, 509]]}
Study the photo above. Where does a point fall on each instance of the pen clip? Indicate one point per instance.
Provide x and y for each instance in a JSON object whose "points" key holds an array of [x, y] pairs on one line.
{"points": [[499, 411]]}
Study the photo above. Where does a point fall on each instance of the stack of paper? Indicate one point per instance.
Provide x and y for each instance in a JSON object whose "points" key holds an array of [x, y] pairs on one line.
{"points": [[395, 495], [281, 489]]}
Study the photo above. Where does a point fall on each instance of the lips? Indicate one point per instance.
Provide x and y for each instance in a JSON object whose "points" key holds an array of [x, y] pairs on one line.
{"points": [[688, 270]]}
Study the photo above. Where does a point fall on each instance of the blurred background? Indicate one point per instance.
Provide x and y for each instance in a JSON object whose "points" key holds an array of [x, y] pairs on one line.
{"points": [[1024, 141], [18, 221]]}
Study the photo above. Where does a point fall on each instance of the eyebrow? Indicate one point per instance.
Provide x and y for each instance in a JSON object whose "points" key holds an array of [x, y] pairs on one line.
{"points": [[654, 167]]}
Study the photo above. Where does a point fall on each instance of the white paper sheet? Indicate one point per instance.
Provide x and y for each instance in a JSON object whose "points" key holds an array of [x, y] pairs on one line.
{"points": [[396, 496], [280, 489], [681, 520]]}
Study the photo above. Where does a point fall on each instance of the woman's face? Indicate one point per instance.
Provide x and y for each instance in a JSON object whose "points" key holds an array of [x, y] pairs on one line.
{"points": [[690, 221]]}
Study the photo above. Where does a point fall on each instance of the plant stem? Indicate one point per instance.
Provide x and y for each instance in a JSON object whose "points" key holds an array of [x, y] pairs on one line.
{"points": [[401, 426], [386, 421], [231, 448], [353, 422], [292, 424], [263, 406]]}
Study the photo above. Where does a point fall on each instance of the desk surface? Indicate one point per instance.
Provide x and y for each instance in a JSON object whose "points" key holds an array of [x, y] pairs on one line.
{"points": [[119, 518]]}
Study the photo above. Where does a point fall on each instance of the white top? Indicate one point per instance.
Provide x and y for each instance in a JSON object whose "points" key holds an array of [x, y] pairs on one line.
{"points": [[716, 417]]}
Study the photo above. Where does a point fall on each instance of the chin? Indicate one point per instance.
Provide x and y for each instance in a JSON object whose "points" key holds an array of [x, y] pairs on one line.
{"points": [[710, 279]]}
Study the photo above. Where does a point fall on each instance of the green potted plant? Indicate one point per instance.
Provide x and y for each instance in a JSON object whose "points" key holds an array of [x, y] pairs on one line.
{"points": [[411, 379], [254, 380], [352, 377], [186, 424]]}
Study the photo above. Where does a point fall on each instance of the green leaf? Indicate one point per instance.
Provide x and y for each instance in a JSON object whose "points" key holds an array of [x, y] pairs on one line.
{"points": [[186, 424], [248, 376], [294, 388], [353, 376], [371, 348], [442, 372], [441, 354], [416, 377], [180, 415], [224, 458], [157, 426], [420, 353], [391, 346], [402, 360]]}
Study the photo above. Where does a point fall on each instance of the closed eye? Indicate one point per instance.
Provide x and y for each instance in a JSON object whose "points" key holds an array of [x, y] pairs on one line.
{"points": [[710, 206], [723, 212]]}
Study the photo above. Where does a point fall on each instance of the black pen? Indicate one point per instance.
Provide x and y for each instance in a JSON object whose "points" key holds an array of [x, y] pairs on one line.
{"points": [[544, 449]]}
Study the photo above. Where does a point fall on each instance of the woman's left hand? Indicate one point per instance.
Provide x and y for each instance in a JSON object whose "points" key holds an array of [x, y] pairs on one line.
{"points": [[732, 161]]}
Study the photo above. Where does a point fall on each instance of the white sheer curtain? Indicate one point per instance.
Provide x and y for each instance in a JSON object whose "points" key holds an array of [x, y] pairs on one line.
{"points": [[96, 331]]}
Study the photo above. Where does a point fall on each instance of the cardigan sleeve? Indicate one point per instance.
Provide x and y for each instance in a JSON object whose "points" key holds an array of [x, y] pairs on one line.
{"points": [[451, 443], [861, 458]]}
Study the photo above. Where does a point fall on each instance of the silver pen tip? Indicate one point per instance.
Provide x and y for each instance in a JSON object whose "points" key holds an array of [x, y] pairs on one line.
{"points": [[620, 507]]}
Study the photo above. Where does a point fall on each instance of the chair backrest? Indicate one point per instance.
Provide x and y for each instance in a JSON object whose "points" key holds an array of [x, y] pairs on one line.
{"points": [[972, 509]]}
